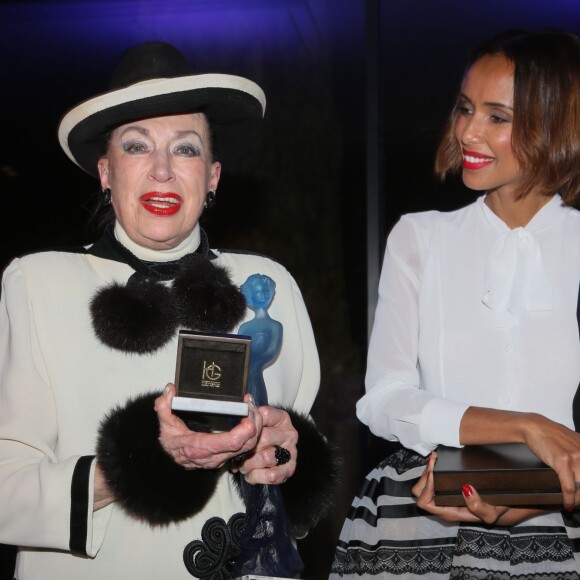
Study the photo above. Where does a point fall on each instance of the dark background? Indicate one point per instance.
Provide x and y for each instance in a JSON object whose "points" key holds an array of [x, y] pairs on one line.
{"points": [[357, 94]]}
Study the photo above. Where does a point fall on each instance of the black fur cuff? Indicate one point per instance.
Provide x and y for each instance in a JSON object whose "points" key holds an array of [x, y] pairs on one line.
{"points": [[310, 493], [147, 483]]}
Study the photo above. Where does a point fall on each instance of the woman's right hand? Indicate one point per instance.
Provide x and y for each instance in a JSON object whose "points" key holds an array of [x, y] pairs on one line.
{"points": [[559, 448], [194, 449], [553, 443]]}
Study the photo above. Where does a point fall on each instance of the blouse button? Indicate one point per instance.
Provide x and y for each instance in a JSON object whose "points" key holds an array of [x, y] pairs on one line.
{"points": [[508, 348]]}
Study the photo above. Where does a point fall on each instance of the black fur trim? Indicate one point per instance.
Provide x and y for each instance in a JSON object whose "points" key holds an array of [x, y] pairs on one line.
{"points": [[309, 494], [147, 483], [206, 300], [137, 317], [143, 315]]}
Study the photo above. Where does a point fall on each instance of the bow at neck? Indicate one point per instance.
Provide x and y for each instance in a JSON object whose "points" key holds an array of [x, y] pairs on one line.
{"points": [[516, 279]]}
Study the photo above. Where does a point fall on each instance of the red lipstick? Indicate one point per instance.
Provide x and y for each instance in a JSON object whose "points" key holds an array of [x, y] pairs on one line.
{"points": [[161, 203], [474, 161]]}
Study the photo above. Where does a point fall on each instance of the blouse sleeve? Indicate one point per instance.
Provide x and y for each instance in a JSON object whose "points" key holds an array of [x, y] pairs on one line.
{"points": [[396, 406], [45, 503]]}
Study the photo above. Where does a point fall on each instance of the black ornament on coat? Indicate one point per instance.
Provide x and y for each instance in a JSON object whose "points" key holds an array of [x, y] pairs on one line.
{"points": [[205, 298], [146, 481], [310, 493], [212, 557]]}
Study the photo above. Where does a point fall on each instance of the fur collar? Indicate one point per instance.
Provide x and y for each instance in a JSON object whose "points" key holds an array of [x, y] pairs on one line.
{"points": [[144, 314]]}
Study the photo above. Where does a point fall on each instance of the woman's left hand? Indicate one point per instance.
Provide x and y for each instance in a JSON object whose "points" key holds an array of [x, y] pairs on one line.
{"points": [[476, 509], [260, 466]]}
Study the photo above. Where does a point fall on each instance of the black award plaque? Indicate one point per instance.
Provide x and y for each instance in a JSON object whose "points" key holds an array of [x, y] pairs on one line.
{"points": [[211, 374]]}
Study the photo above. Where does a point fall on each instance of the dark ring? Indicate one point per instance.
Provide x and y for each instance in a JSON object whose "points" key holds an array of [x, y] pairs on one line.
{"points": [[282, 455]]}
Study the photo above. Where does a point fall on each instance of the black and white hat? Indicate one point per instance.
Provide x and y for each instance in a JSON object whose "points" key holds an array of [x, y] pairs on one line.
{"points": [[154, 79]]}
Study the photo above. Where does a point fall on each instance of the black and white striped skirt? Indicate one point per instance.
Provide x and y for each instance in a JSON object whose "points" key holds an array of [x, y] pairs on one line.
{"points": [[385, 535]]}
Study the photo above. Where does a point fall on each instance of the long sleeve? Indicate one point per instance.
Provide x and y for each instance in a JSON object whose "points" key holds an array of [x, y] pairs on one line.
{"points": [[50, 501], [395, 406], [310, 372]]}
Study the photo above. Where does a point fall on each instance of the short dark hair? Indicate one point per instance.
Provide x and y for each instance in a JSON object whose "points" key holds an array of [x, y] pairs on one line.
{"points": [[546, 122]]}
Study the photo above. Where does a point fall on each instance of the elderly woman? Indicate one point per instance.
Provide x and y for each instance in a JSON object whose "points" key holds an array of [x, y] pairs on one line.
{"points": [[99, 478]]}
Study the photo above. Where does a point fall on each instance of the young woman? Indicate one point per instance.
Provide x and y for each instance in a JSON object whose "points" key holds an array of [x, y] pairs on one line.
{"points": [[475, 337]]}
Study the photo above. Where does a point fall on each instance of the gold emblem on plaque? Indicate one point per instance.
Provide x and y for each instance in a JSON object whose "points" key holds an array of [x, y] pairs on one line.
{"points": [[211, 375]]}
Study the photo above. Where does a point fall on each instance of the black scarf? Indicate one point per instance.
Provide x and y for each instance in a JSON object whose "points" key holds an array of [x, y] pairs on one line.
{"points": [[159, 297]]}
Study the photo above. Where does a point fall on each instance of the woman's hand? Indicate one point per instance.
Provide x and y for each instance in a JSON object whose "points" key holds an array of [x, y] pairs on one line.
{"points": [[102, 494], [476, 509], [193, 449], [558, 447], [553, 443], [261, 466]]}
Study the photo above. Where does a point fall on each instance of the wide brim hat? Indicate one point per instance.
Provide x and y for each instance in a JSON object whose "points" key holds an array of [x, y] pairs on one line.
{"points": [[152, 80]]}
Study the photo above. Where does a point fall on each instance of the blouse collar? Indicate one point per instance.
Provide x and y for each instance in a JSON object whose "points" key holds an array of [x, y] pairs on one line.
{"points": [[544, 217]]}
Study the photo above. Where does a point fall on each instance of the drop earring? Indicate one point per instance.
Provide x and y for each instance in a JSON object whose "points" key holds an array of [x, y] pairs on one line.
{"points": [[107, 196], [210, 200]]}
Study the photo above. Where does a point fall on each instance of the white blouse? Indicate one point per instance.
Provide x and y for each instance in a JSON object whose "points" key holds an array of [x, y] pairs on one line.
{"points": [[473, 313]]}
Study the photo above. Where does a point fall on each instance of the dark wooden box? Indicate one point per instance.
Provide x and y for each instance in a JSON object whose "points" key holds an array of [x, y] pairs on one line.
{"points": [[503, 474]]}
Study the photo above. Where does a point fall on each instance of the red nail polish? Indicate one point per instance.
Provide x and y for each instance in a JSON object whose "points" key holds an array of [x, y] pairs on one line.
{"points": [[570, 508], [467, 490]]}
